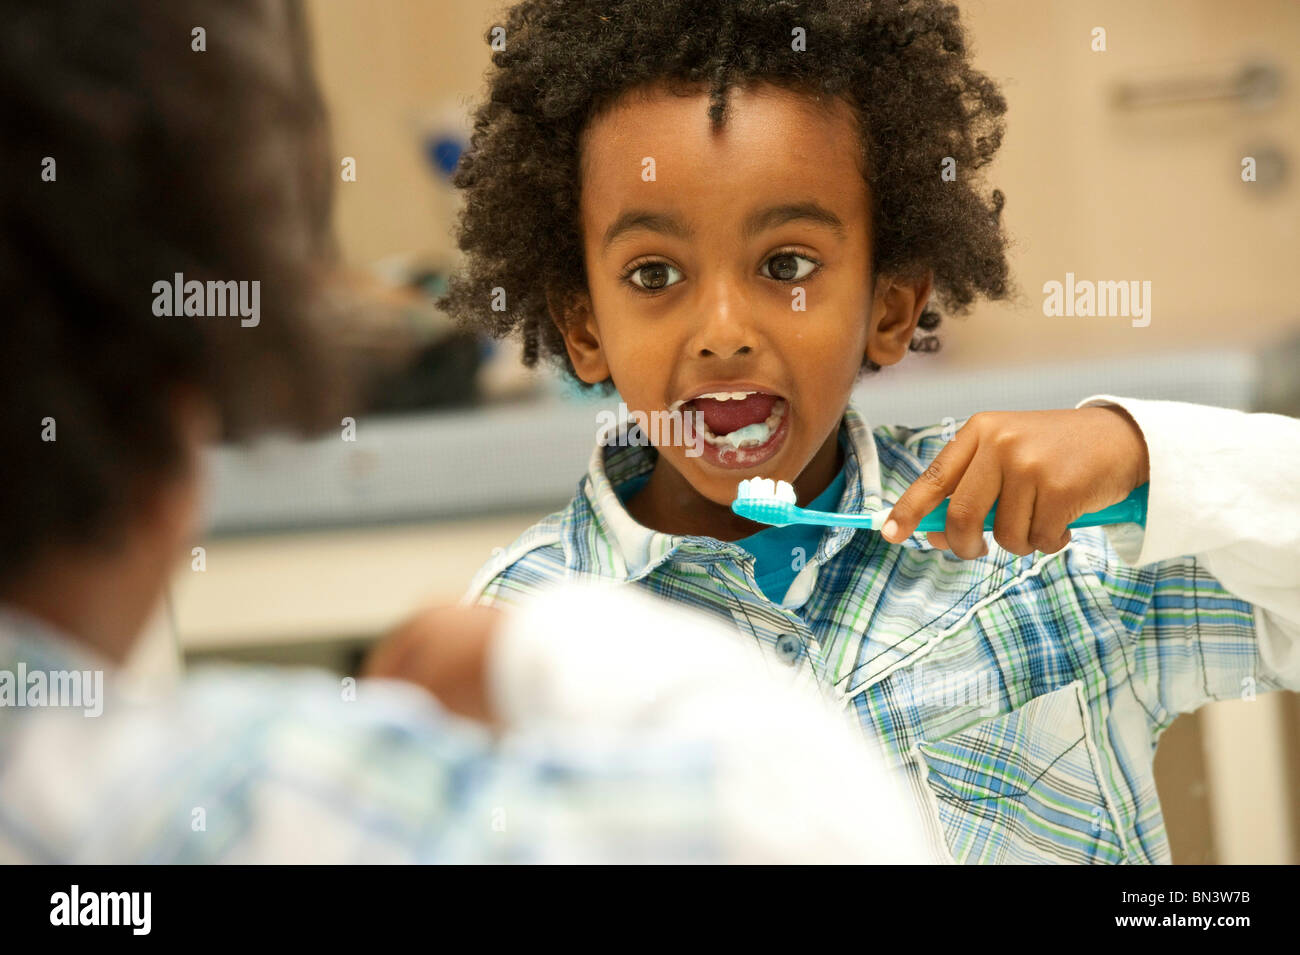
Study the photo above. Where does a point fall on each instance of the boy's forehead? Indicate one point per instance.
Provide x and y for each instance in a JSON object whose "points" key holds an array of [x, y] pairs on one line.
{"points": [[773, 140]]}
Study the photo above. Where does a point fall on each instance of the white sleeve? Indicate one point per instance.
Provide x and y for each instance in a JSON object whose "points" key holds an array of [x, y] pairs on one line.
{"points": [[1225, 486], [798, 780]]}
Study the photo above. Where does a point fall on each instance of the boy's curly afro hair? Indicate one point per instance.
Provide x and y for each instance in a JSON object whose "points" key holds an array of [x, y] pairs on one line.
{"points": [[901, 65]]}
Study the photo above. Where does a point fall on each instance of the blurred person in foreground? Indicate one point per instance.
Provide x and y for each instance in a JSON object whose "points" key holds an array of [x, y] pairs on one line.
{"points": [[135, 158]]}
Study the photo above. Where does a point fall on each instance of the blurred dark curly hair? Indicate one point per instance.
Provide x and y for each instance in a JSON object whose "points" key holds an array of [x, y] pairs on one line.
{"points": [[167, 159], [901, 65]]}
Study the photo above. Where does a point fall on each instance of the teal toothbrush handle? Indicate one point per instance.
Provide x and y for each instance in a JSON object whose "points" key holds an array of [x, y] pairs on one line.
{"points": [[1133, 509]]}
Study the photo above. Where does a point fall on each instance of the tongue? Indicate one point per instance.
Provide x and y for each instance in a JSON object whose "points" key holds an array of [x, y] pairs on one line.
{"points": [[723, 417]]}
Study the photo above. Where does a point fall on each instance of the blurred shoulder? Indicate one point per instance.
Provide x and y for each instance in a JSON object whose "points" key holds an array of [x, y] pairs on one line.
{"points": [[534, 559]]}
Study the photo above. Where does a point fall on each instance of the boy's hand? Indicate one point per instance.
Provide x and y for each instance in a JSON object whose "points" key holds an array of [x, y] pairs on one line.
{"points": [[445, 651], [1043, 469]]}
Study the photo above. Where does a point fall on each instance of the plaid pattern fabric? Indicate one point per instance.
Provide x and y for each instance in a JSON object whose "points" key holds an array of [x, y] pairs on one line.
{"points": [[1021, 696], [255, 765]]}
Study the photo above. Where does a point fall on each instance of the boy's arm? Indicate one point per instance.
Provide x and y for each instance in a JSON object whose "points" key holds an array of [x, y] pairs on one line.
{"points": [[613, 668], [1220, 555], [636, 731]]}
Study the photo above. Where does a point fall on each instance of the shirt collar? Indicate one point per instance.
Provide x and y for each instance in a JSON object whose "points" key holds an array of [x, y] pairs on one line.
{"points": [[619, 547]]}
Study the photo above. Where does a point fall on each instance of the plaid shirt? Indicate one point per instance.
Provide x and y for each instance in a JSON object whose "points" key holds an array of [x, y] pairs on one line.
{"points": [[1022, 697], [254, 765]]}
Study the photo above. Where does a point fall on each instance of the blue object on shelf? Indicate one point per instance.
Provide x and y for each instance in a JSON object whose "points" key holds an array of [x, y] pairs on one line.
{"points": [[443, 152]]}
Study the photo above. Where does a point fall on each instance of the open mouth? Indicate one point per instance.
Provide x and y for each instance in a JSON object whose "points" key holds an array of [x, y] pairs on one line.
{"points": [[739, 429]]}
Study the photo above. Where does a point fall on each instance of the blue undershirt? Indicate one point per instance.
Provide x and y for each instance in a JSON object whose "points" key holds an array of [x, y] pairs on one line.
{"points": [[773, 547]]}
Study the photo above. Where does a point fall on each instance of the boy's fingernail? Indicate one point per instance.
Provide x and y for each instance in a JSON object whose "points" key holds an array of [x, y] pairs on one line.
{"points": [[890, 529]]}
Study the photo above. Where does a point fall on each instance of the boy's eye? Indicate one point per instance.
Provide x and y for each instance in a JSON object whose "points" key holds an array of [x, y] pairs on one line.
{"points": [[785, 267], [653, 276]]}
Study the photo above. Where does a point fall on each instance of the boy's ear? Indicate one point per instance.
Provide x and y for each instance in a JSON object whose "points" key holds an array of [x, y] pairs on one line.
{"points": [[895, 310], [576, 321]]}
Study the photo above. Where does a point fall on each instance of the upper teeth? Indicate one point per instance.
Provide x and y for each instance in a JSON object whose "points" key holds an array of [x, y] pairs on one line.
{"points": [[728, 395]]}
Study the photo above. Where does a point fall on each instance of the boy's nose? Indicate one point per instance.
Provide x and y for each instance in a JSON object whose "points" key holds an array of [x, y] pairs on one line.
{"points": [[724, 344], [725, 329]]}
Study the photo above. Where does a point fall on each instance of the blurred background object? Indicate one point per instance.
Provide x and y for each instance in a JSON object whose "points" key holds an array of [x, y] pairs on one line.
{"points": [[1125, 164]]}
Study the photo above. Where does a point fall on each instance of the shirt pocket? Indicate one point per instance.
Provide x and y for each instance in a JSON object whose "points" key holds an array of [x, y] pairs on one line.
{"points": [[1023, 787]]}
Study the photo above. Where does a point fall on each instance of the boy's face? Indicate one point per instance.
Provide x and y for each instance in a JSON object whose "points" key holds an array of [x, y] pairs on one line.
{"points": [[729, 274]]}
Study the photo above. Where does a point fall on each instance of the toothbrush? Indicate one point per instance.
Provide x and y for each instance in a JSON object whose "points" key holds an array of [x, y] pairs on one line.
{"points": [[773, 502]]}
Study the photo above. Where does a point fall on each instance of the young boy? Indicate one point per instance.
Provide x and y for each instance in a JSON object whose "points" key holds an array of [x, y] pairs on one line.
{"points": [[160, 160], [743, 207]]}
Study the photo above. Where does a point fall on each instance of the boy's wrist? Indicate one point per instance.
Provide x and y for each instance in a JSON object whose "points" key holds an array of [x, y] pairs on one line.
{"points": [[1133, 432]]}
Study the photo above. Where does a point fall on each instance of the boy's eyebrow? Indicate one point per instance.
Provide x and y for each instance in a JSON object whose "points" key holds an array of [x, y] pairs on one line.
{"points": [[758, 221], [773, 216], [643, 219]]}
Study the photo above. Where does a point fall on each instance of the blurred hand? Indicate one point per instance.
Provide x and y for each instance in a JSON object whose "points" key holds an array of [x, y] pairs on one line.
{"points": [[445, 651], [1043, 469]]}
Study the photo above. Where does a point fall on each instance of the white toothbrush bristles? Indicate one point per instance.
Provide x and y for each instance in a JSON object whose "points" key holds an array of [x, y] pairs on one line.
{"points": [[767, 488]]}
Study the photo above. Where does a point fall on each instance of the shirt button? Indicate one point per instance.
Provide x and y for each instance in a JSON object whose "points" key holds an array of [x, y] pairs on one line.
{"points": [[789, 648]]}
